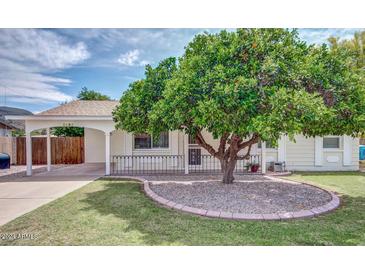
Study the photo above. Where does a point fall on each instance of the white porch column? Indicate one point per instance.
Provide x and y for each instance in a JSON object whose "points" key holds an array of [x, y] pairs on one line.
{"points": [[107, 153], [282, 149], [263, 157], [347, 150], [318, 151], [28, 148], [186, 153], [48, 149]]}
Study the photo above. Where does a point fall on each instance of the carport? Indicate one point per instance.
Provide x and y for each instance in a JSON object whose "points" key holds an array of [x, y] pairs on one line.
{"points": [[94, 115]]}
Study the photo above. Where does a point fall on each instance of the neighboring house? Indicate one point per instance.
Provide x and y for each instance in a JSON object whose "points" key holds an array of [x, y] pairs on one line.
{"points": [[174, 151], [7, 126], [8, 144]]}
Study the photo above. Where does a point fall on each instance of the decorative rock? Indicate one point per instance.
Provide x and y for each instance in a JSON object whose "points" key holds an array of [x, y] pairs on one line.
{"points": [[332, 204]]}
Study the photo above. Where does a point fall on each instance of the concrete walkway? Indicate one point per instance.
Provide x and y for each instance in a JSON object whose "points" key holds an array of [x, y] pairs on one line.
{"points": [[19, 195]]}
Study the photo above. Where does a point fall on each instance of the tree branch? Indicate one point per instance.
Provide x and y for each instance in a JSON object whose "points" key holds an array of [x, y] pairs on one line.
{"points": [[247, 155], [251, 141], [222, 144], [200, 140]]}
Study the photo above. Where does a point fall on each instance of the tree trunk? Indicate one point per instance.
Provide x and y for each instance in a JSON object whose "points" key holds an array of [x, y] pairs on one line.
{"points": [[228, 169], [228, 157]]}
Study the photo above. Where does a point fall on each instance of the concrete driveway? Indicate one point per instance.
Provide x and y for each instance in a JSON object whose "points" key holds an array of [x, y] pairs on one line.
{"points": [[23, 194]]}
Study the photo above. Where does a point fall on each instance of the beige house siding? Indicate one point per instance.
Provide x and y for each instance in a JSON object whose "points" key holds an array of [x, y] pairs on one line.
{"points": [[271, 155], [300, 154], [94, 146], [117, 140]]}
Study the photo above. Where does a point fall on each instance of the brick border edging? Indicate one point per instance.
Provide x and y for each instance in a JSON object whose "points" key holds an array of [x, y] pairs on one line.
{"points": [[330, 206]]}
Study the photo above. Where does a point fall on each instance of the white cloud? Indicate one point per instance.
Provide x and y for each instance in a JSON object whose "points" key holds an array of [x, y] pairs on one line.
{"points": [[319, 36], [28, 57], [44, 49], [131, 58]]}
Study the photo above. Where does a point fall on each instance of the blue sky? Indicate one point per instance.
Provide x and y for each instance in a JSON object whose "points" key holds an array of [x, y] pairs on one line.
{"points": [[40, 68]]}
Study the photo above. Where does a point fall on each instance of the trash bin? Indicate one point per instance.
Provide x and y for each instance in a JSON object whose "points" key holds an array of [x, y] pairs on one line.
{"points": [[362, 152], [4, 161]]}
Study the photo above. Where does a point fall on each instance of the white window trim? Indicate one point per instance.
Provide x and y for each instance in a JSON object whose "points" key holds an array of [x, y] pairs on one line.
{"points": [[268, 150], [152, 148], [340, 149], [271, 149]]}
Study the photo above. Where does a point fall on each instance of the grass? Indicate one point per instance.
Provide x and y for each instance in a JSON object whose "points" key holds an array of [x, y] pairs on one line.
{"points": [[112, 212]]}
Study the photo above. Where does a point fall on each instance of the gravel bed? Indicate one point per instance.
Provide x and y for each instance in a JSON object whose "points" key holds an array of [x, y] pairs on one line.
{"points": [[258, 197]]}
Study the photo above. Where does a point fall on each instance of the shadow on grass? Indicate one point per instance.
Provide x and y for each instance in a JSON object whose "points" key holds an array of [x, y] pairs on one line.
{"points": [[329, 173], [161, 226]]}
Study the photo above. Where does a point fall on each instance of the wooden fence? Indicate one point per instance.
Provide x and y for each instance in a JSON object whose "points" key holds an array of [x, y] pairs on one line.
{"points": [[64, 150]]}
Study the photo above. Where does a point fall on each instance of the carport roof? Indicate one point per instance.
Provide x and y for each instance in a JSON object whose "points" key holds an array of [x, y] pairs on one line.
{"points": [[76, 109], [82, 108]]}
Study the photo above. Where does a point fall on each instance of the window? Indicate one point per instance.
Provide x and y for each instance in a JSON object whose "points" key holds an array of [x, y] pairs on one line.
{"points": [[162, 141], [331, 142], [142, 140], [268, 145], [145, 141]]}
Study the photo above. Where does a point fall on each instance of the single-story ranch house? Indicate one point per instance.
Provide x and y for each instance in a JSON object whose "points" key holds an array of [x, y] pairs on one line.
{"points": [[174, 151]]}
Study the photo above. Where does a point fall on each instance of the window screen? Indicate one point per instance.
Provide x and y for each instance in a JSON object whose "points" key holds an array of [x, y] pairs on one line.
{"points": [[145, 141], [162, 141], [142, 141], [331, 142], [268, 144]]}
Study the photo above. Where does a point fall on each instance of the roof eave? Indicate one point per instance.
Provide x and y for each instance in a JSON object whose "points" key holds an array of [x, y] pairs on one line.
{"points": [[58, 117]]}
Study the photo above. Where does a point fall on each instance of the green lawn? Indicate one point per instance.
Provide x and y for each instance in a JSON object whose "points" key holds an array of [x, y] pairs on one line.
{"points": [[111, 212]]}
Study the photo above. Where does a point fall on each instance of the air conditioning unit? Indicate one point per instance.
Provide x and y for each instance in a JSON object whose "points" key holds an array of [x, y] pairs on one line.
{"points": [[277, 166]]}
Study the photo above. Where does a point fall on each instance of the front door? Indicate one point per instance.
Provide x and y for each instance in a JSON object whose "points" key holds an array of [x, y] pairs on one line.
{"points": [[195, 156]]}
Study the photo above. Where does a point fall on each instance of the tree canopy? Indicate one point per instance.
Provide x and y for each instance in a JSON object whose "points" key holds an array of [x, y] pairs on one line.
{"points": [[355, 46], [68, 131], [244, 86], [88, 94]]}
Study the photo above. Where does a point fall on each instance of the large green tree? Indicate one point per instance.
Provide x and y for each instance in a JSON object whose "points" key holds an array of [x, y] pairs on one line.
{"points": [[355, 46], [244, 86]]}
